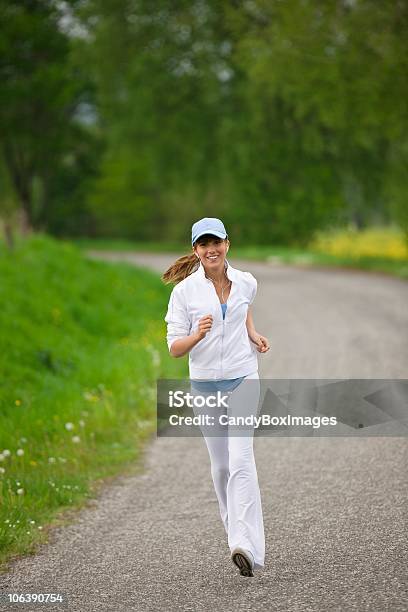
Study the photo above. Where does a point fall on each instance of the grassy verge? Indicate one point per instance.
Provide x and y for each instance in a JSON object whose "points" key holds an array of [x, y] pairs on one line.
{"points": [[373, 250], [81, 346]]}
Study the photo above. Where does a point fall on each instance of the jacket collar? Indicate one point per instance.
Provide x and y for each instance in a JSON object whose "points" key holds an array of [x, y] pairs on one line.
{"points": [[230, 271]]}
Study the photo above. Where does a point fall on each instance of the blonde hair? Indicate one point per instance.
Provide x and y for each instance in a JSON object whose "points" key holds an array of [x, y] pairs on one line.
{"points": [[181, 268]]}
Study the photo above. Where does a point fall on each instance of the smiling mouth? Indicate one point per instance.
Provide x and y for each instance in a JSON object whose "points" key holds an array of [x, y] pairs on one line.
{"points": [[212, 257]]}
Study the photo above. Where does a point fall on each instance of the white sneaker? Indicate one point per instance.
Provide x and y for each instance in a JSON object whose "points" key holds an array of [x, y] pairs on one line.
{"points": [[244, 560]]}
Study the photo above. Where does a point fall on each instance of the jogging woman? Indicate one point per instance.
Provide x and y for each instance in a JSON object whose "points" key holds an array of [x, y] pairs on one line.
{"points": [[209, 317]]}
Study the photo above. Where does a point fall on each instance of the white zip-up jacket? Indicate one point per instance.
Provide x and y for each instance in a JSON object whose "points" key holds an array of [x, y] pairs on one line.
{"points": [[226, 351]]}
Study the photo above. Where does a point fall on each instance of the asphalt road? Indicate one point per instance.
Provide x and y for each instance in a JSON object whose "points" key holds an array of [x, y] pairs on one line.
{"points": [[335, 509]]}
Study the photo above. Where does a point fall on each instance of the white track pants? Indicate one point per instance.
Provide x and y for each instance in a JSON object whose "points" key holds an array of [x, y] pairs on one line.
{"points": [[233, 470]]}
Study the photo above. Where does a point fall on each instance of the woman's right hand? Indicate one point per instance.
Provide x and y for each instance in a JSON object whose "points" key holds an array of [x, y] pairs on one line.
{"points": [[204, 326]]}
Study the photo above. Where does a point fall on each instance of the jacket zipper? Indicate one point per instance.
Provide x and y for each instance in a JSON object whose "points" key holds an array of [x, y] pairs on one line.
{"points": [[222, 344], [223, 328]]}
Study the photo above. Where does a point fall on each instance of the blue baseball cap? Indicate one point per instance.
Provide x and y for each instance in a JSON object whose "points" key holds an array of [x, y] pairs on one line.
{"points": [[208, 225]]}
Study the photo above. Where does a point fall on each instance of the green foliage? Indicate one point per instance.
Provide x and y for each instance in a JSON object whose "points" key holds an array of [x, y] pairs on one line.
{"points": [[43, 146], [283, 118]]}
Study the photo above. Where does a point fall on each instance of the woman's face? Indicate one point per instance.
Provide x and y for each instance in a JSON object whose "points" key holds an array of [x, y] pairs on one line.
{"points": [[212, 251]]}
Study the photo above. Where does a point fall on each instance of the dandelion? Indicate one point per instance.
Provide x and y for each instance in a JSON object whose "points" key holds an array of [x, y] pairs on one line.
{"points": [[2, 470], [6, 453], [20, 452], [7, 521], [33, 463], [90, 397], [17, 402], [27, 532], [23, 440], [76, 439], [32, 522], [51, 459], [62, 459], [39, 527], [82, 423], [144, 424], [2, 457], [20, 492], [18, 483], [69, 426], [155, 355]]}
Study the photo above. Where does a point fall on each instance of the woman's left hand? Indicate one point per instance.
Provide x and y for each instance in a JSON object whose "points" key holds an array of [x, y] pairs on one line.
{"points": [[262, 343]]}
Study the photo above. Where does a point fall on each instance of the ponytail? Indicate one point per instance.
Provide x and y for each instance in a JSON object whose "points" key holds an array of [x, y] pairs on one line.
{"points": [[181, 268]]}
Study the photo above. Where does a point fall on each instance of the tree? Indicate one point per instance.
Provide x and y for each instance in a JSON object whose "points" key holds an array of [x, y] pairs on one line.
{"points": [[39, 93]]}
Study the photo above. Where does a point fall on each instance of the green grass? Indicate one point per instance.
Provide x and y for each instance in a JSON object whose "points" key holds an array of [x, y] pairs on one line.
{"points": [[82, 343], [272, 254]]}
